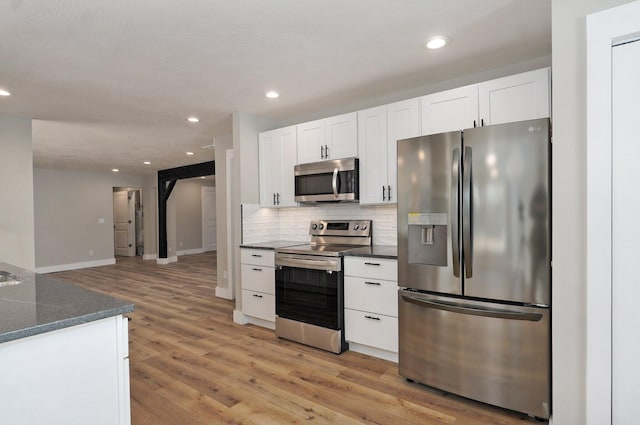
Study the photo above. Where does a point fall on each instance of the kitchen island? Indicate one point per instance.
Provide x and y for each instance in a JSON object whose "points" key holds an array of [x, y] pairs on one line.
{"points": [[63, 352]]}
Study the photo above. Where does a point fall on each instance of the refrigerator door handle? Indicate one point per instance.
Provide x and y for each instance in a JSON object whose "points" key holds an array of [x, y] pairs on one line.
{"points": [[467, 212], [470, 310], [455, 211]]}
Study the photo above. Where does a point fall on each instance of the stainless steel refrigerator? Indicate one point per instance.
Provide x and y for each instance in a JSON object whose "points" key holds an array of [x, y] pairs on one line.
{"points": [[474, 263]]}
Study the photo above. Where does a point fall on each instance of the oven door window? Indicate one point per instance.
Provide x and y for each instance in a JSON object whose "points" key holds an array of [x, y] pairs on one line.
{"points": [[309, 296]]}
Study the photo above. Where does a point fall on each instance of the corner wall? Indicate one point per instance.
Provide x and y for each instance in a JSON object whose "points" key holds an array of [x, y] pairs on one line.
{"points": [[17, 244]]}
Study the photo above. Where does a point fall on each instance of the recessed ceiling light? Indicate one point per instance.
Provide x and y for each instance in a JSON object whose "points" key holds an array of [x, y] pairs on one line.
{"points": [[272, 94], [147, 163], [193, 119], [115, 170], [436, 42], [190, 153], [4, 93]]}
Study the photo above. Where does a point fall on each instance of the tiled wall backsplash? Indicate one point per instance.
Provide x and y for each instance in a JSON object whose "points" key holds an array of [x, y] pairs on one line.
{"points": [[292, 224]]}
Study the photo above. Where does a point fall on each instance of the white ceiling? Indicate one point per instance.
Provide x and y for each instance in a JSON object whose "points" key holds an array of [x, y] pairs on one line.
{"points": [[109, 83]]}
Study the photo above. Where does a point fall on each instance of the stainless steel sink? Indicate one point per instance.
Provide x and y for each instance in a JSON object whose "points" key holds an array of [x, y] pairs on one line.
{"points": [[7, 279]]}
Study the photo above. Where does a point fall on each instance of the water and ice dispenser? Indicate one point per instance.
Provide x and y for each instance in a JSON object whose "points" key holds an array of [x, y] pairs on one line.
{"points": [[427, 238]]}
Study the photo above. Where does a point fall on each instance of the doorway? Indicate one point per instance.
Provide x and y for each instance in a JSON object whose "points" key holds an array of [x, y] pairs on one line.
{"points": [[128, 228]]}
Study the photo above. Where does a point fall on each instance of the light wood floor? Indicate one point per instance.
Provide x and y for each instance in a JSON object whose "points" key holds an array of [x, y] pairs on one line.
{"points": [[190, 364]]}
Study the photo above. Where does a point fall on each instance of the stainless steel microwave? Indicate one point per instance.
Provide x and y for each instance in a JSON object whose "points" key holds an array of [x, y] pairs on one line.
{"points": [[327, 181]]}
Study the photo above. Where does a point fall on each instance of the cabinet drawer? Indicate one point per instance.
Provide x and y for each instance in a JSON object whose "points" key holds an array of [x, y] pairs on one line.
{"points": [[374, 330], [366, 294], [259, 305], [260, 257], [259, 278], [377, 268]]}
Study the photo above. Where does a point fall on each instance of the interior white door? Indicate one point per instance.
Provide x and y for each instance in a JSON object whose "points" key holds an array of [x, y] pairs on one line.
{"points": [[625, 232], [121, 224], [209, 233]]}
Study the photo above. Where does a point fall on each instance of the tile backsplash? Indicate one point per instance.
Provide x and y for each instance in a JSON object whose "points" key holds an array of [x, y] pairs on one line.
{"points": [[292, 224]]}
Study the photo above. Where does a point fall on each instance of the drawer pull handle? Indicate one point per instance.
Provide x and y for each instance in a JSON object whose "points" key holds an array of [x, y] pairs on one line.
{"points": [[372, 283], [372, 317], [371, 264], [256, 255], [260, 296], [256, 269]]}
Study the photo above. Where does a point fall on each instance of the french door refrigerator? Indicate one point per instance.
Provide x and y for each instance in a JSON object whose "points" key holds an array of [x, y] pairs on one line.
{"points": [[474, 263]]}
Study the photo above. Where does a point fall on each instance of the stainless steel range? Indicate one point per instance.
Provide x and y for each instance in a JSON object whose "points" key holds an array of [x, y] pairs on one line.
{"points": [[310, 283]]}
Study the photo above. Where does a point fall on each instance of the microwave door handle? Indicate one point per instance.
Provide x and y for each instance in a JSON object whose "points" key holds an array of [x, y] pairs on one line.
{"points": [[334, 182]]}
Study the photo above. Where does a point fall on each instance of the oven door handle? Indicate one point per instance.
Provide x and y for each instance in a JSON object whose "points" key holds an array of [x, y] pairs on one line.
{"points": [[304, 262]]}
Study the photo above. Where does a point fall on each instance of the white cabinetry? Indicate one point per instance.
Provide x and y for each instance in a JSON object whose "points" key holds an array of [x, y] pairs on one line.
{"points": [[277, 150], [371, 306], [258, 286], [450, 110], [73, 376], [328, 138], [379, 129], [515, 98]]}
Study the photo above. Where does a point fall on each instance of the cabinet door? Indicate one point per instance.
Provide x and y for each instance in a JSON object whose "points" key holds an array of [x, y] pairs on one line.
{"points": [[450, 110], [515, 98], [268, 163], [285, 193], [311, 141], [372, 143], [403, 121], [342, 136]]}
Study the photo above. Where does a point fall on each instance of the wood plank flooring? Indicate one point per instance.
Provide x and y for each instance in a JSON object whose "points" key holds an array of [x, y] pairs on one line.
{"points": [[190, 364]]}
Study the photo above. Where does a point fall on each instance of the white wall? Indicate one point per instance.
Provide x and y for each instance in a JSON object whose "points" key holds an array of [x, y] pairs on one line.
{"points": [[16, 192], [222, 227], [569, 206], [68, 208]]}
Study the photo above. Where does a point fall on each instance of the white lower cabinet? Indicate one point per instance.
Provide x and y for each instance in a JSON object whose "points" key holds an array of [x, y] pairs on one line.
{"points": [[73, 376], [258, 286], [371, 306]]}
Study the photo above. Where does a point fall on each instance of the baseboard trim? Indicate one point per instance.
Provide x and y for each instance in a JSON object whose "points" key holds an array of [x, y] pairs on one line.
{"points": [[167, 260], [149, 256], [239, 317], [225, 293], [190, 251], [75, 266], [373, 351]]}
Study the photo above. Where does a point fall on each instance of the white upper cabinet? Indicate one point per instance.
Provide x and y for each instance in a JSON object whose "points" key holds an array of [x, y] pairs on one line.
{"points": [[450, 110], [329, 138], [515, 98], [403, 122], [372, 147], [277, 157], [379, 129]]}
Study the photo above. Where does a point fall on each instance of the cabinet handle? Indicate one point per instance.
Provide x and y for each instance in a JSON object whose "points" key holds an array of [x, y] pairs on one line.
{"points": [[371, 264], [274, 199], [256, 269], [482, 122], [384, 195], [278, 198], [372, 283], [326, 152], [474, 124], [321, 151], [389, 193], [257, 255], [260, 296], [371, 317]]}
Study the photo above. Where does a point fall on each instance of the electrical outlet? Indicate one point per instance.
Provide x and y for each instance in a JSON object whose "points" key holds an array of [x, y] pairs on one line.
{"points": [[91, 253], [180, 243], [225, 274], [101, 221]]}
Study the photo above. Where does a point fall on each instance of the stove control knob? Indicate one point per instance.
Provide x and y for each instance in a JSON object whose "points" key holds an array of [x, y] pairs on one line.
{"points": [[356, 227], [321, 226], [314, 226], [364, 227]]}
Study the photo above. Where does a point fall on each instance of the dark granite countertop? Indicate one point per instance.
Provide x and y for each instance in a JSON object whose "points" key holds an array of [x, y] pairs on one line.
{"points": [[377, 251], [42, 304], [271, 245]]}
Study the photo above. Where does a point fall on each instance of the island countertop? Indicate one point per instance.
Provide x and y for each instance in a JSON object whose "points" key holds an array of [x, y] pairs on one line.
{"points": [[40, 304]]}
